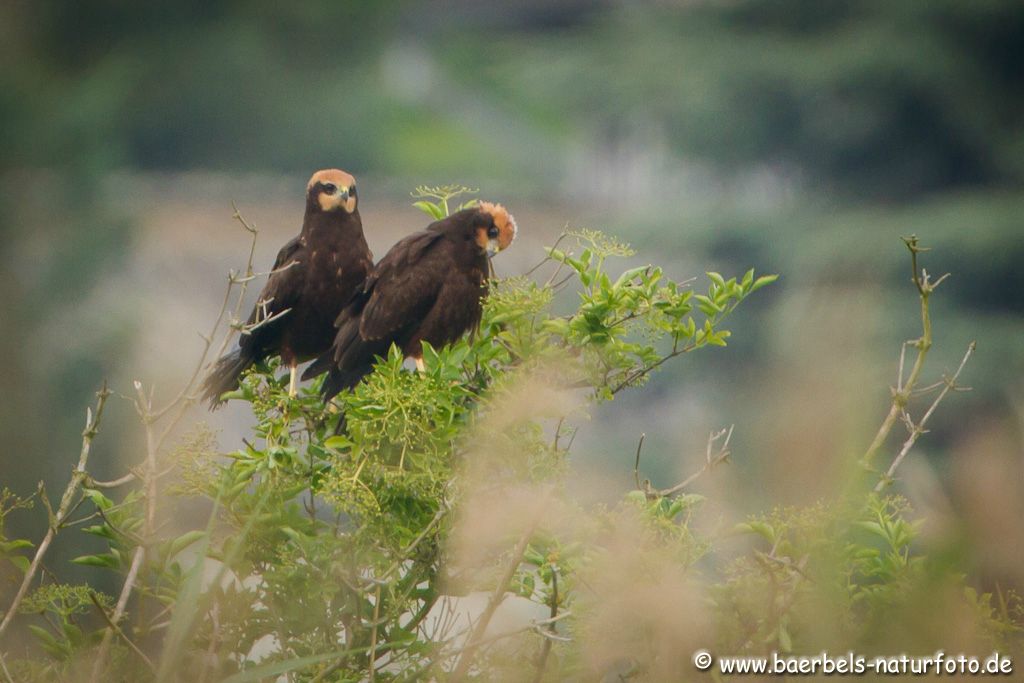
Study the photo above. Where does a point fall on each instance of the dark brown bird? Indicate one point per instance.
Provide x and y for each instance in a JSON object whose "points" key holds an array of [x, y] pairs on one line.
{"points": [[429, 287], [314, 277]]}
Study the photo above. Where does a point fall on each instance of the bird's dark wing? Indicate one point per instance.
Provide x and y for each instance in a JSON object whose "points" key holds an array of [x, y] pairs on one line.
{"points": [[457, 309], [284, 287], [402, 288]]}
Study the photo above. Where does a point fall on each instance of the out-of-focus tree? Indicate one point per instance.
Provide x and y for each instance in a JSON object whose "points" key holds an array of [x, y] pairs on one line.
{"points": [[863, 98]]}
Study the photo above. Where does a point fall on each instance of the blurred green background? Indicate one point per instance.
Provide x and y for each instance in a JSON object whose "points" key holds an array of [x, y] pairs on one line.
{"points": [[795, 136]]}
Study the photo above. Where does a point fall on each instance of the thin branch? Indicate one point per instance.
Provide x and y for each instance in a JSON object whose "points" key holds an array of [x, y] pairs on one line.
{"points": [[498, 595], [903, 390], [114, 483], [916, 430], [184, 395], [531, 271], [642, 372], [636, 464], [535, 625], [78, 476], [373, 637], [438, 516], [558, 434], [263, 320], [711, 460], [144, 406], [117, 629], [211, 650], [545, 648], [3, 666], [119, 610]]}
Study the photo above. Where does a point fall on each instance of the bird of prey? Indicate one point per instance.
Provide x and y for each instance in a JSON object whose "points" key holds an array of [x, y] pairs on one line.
{"points": [[429, 287], [314, 277]]}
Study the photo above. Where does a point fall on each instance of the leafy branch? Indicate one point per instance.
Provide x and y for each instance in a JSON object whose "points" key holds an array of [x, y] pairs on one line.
{"points": [[65, 509], [441, 195]]}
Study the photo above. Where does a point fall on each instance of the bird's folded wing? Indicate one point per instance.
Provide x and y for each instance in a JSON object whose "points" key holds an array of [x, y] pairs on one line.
{"points": [[282, 291], [403, 287]]}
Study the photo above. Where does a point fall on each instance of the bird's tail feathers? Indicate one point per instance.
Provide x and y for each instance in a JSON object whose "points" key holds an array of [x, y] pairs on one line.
{"points": [[339, 380], [319, 366], [224, 377]]}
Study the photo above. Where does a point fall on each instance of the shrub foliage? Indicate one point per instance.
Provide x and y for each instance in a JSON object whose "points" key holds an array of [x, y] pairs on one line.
{"points": [[378, 537]]}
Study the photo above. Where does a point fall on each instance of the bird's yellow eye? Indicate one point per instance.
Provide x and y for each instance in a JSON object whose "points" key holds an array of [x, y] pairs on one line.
{"points": [[330, 188]]}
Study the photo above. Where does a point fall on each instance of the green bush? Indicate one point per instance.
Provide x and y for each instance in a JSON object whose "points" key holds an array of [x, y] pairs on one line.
{"points": [[344, 556]]}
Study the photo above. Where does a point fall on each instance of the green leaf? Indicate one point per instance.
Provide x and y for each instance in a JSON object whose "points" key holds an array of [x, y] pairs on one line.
{"points": [[235, 394], [629, 275], [533, 557], [337, 442], [101, 530], [50, 644], [98, 499], [748, 278], [555, 254], [185, 540], [430, 355], [104, 560], [763, 281], [73, 634], [707, 306], [758, 527], [526, 585], [16, 544], [874, 527], [430, 208]]}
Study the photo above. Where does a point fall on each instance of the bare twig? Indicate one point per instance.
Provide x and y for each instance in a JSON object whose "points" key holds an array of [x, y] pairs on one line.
{"points": [[119, 610], [112, 623], [538, 626], [114, 483], [545, 648], [636, 464], [565, 233], [64, 510], [262, 320], [373, 637], [3, 667], [498, 595], [901, 393], [407, 553], [184, 396], [712, 458], [174, 411], [917, 429], [211, 650]]}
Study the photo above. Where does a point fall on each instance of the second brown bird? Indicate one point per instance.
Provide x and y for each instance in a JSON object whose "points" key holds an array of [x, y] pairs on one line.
{"points": [[428, 288]]}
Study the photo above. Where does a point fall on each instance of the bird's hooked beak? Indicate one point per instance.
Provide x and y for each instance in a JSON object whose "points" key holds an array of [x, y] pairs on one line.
{"points": [[346, 199], [493, 246]]}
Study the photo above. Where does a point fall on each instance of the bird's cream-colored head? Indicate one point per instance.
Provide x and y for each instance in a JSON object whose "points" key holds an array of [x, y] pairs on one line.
{"points": [[499, 231], [332, 189]]}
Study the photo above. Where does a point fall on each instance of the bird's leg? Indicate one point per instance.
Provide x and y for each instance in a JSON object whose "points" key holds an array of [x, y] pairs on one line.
{"points": [[291, 382], [419, 364]]}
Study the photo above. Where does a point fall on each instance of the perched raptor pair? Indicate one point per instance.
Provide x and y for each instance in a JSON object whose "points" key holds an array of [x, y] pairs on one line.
{"points": [[325, 299]]}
